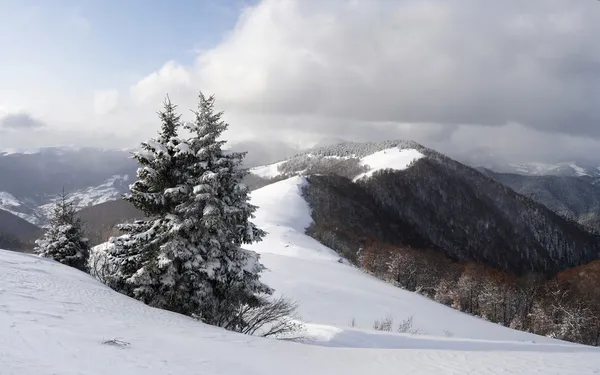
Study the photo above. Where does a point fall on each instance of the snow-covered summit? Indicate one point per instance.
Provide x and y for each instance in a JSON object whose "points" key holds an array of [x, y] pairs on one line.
{"points": [[393, 158], [353, 160]]}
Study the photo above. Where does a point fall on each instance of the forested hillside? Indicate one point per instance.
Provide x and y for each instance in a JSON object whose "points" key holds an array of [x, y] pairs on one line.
{"points": [[16, 233], [450, 207], [575, 198]]}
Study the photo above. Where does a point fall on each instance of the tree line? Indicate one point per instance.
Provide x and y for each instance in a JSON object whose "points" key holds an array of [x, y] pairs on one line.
{"points": [[531, 302]]}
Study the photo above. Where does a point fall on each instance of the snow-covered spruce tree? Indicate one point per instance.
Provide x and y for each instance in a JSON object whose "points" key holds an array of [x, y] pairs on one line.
{"points": [[205, 270], [187, 257], [134, 253], [64, 239]]}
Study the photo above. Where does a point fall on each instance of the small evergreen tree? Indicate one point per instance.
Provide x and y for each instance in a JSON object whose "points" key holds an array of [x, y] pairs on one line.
{"points": [[187, 256], [64, 239]]}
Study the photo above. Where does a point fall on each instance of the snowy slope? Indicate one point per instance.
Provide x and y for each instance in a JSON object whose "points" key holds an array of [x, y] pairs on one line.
{"points": [[109, 190], [267, 171], [396, 158], [333, 293], [26, 211], [8, 200], [54, 320], [392, 158]]}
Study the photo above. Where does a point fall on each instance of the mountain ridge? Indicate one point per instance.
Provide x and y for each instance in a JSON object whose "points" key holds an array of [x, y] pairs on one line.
{"points": [[502, 228]]}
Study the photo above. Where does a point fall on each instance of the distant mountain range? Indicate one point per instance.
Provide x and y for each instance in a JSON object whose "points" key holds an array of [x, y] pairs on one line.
{"points": [[575, 198], [516, 222], [31, 180], [566, 168]]}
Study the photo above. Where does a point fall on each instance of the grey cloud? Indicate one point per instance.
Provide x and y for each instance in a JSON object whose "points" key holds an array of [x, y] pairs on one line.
{"points": [[521, 79], [459, 62], [20, 121]]}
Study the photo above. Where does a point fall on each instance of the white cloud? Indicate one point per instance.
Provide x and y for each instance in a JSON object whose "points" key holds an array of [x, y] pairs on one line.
{"points": [[172, 78], [105, 101], [463, 62], [433, 71]]}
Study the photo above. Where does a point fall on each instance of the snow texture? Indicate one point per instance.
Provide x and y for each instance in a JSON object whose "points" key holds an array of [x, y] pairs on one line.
{"points": [[7, 200], [392, 158], [267, 171], [109, 190], [57, 320]]}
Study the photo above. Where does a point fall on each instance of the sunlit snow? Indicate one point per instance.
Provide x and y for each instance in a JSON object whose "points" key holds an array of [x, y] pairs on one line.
{"points": [[267, 171], [392, 158], [57, 320]]}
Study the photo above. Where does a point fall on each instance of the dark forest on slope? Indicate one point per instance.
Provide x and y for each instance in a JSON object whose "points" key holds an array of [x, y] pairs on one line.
{"points": [[575, 198], [16, 233], [372, 233], [454, 209]]}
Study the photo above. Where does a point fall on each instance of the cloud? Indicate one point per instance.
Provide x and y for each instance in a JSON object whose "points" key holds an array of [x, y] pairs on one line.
{"points": [[106, 101], [172, 78], [20, 121], [331, 65], [452, 75]]}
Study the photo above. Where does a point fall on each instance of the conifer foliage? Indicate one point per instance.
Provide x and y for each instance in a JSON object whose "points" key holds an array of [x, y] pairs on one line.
{"points": [[187, 256], [64, 239], [132, 254]]}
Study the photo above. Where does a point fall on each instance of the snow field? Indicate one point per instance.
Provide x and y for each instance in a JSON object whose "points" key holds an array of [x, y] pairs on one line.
{"points": [[55, 320]]}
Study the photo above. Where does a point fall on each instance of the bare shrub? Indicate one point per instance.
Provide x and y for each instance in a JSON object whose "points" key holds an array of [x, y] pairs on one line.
{"points": [[384, 324], [99, 265], [116, 342], [406, 325], [272, 318]]}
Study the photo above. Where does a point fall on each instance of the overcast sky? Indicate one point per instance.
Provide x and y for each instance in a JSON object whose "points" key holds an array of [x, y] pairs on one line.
{"points": [[520, 78]]}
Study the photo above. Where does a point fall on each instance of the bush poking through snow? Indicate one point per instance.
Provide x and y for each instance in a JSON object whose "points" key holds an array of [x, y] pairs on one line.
{"points": [[384, 324], [116, 342], [99, 265], [406, 325], [274, 317], [387, 324]]}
